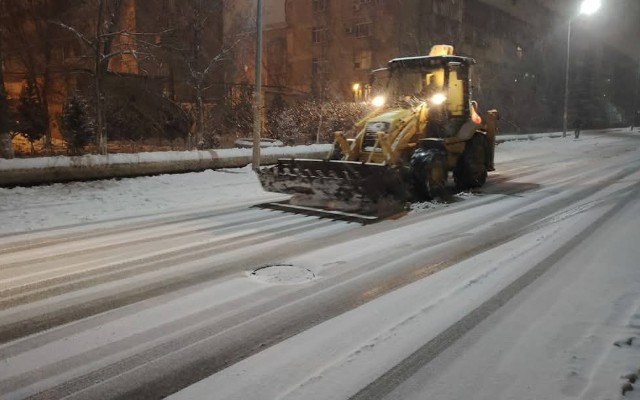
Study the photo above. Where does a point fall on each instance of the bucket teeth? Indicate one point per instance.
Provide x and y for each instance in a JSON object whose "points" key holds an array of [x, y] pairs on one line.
{"points": [[370, 189]]}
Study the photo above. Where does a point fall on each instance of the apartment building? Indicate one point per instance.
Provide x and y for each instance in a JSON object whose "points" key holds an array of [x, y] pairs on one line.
{"points": [[322, 48], [174, 52], [326, 49]]}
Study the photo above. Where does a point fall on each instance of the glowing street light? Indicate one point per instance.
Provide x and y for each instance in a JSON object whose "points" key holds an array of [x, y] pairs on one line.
{"points": [[356, 91], [378, 101], [587, 7]]}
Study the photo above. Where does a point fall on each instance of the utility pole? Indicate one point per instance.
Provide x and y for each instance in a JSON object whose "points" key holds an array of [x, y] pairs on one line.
{"points": [[587, 7], [257, 107], [636, 101], [98, 77]]}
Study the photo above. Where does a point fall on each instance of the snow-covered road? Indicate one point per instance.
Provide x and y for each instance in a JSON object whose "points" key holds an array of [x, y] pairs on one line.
{"points": [[139, 288]]}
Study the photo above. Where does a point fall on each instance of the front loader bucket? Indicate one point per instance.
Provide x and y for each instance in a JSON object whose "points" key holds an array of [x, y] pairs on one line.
{"points": [[345, 186]]}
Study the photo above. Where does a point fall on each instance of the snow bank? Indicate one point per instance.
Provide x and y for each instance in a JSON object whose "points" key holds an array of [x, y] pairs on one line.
{"points": [[39, 170], [33, 171]]}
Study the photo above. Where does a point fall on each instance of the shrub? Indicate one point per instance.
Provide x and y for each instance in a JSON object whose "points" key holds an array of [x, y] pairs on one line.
{"points": [[305, 121]]}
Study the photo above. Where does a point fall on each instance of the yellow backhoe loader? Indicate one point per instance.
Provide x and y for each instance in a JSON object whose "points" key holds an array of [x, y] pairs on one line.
{"points": [[425, 125]]}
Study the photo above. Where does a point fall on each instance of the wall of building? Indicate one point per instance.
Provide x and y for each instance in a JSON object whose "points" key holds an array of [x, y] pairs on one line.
{"points": [[320, 48], [333, 44], [520, 47]]}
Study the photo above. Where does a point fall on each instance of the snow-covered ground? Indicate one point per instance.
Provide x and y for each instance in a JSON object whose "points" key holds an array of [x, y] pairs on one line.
{"points": [[573, 334], [25, 209], [528, 289], [41, 207]]}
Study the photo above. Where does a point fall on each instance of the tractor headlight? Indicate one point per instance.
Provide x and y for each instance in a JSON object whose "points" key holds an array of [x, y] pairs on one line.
{"points": [[375, 127], [438, 99], [378, 101]]}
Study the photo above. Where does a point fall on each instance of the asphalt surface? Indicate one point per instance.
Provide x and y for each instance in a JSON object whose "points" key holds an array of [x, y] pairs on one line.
{"points": [[143, 308]]}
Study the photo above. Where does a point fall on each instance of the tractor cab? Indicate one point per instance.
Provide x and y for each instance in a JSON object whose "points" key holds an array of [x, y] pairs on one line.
{"points": [[438, 84]]}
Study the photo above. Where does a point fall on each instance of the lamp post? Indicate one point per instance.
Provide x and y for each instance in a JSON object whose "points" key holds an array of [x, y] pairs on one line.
{"points": [[257, 111], [587, 7]]}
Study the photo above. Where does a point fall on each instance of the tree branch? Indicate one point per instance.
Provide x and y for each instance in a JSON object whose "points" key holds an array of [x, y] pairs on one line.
{"points": [[77, 33], [134, 34]]}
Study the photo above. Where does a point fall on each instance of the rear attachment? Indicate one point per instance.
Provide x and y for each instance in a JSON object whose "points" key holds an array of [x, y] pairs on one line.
{"points": [[346, 187]]}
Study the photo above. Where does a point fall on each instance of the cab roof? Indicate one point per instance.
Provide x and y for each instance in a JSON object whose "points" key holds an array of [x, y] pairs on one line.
{"points": [[429, 61]]}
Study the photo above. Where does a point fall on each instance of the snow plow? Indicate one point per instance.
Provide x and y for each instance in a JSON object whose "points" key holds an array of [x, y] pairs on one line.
{"points": [[425, 125]]}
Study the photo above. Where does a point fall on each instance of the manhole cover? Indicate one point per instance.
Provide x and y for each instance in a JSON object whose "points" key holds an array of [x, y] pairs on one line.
{"points": [[283, 274]]}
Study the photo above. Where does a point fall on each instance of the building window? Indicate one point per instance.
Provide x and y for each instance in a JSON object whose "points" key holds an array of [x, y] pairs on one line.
{"points": [[317, 66], [357, 4], [447, 8], [363, 29], [362, 60], [319, 5], [277, 62], [519, 52], [318, 35]]}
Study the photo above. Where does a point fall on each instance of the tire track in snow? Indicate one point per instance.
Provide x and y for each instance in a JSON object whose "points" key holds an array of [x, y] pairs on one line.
{"points": [[44, 317], [385, 384], [44, 254], [326, 304], [273, 320], [75, 266], [53, 236]]}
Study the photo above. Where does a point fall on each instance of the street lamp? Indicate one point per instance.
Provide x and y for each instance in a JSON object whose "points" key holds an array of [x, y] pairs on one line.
{"points": [[356, 90], [635, 115], [587, 7]]}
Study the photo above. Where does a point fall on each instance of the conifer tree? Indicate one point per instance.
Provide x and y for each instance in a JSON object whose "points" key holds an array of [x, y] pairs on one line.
{"points": [[77, 125], [32, 117]]}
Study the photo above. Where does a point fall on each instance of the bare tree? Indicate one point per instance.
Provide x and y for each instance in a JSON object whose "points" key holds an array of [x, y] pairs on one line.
{"points": [[100, 45], [200, 65], [194, 43], [32, 41], [109, 40]]}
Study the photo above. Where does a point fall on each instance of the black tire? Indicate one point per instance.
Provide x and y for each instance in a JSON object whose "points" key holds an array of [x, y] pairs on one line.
{"points": [[428, 173], [471, 169], [336, 153]]}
